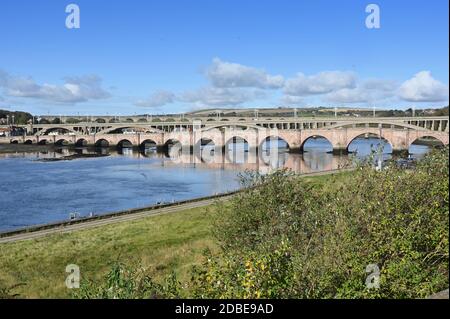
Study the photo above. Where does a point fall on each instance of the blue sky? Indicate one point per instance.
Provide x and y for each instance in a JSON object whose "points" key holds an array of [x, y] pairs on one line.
{"points": [[174, 56]]}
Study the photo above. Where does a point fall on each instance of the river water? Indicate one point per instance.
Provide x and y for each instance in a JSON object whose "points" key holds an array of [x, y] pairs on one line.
{"points": [[35, 192]]}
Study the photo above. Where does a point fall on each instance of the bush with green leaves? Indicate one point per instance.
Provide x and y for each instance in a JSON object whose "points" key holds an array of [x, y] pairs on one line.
{"points": [[128, 282], [285, 238]]}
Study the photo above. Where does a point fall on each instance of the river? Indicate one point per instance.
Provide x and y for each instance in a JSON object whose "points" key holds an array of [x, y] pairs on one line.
{"points": [[35, 192]]}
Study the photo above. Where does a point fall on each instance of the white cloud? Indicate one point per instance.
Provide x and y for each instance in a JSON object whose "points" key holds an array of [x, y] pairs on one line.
{"points": [[223, 74], [357, 95], [157, 99], [74, 89], [380, 85], [371, 91], [423, 88], [321, 83], [221, 97]]}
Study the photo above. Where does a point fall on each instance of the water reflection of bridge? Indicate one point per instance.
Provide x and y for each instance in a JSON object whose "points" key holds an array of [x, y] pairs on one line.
{"points": [[264, 162]]}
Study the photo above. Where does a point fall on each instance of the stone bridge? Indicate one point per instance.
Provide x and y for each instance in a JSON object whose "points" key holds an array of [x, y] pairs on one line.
{"points": [[400, 133]]}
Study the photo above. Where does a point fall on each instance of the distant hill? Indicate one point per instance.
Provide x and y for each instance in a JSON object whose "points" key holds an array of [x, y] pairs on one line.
{"points": [[318, 112], [441, 112]]}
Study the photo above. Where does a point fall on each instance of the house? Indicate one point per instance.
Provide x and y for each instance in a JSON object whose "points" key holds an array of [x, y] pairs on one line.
{"points": [[5, 131]]}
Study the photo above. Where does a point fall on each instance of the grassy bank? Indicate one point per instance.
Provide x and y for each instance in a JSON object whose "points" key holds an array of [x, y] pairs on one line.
{"points": [[163, 244]]}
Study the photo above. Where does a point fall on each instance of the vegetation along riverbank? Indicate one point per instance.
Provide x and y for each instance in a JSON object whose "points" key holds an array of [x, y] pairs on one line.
{"points": [[286, 238]]}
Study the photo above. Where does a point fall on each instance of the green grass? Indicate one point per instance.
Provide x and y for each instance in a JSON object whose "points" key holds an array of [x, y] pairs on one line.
{"points": [[165, 243]]}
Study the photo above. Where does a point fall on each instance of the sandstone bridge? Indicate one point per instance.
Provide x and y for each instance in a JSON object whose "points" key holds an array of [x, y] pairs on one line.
{"points": [[400, 132]]}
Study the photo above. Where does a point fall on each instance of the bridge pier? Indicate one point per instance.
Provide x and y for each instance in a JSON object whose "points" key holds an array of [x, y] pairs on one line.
{"points": [[295, 149], [400, 152], [340, 151], [160, 148]]}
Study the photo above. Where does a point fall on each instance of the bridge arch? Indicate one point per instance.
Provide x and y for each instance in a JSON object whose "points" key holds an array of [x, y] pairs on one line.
{"points": [[224, 125], [62, 142], [443, 138], [326, 142], [124, 143], [424, 142], [43, 141], [204, 149], [81, 142], [205, 141], [171, 142], [236, 149], [142, 129], [172, 148], [102, 143], [373, 134], [274, 141], [48, 130], [213, 134], [28, 142], [374, 124], [148, 143]]}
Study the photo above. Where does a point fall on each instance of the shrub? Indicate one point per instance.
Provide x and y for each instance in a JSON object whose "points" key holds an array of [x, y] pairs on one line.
{"points": [[284, 238], [128, 282]]}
